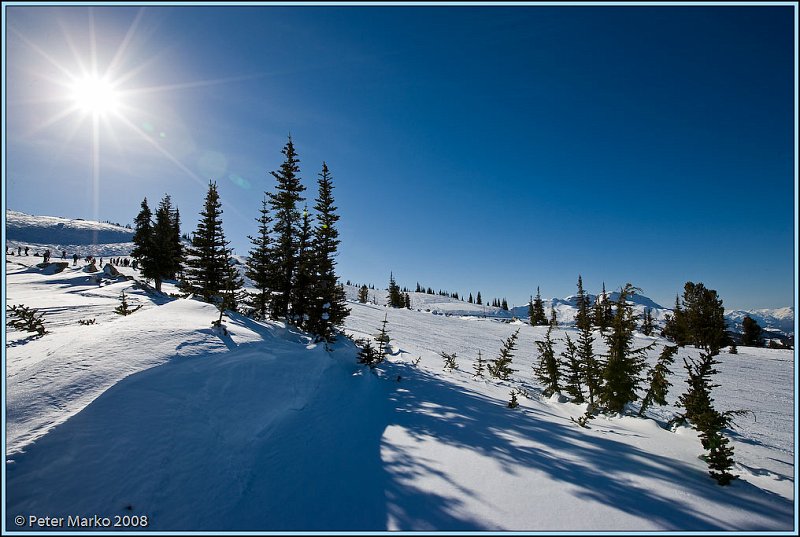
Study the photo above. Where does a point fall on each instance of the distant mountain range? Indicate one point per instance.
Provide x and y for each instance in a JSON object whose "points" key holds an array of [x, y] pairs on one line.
{"points": [[87, 237]]}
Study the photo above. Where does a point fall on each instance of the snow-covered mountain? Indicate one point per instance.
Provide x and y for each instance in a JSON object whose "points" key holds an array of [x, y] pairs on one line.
{"points": [[84, 237], [160, 415], [779, 320]]}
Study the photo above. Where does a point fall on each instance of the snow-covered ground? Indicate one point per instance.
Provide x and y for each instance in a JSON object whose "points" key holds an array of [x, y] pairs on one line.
{"points": [[157, 414]]}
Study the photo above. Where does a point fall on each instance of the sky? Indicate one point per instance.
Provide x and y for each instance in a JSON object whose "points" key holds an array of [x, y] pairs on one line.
{"points": [[472, 148]]}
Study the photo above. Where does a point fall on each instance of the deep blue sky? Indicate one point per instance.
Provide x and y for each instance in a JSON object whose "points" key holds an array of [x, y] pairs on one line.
{"points": [[472, 148]]}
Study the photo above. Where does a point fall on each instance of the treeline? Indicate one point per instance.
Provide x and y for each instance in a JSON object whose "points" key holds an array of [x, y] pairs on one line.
{"points": [[291, 261]]}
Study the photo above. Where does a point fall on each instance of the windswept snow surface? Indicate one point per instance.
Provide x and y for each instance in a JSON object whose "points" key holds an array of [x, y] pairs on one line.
{"points": [[157, 414]]}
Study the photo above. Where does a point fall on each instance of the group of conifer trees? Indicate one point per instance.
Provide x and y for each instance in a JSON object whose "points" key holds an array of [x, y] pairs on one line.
{"points": [[291, 261], [613, 380]]}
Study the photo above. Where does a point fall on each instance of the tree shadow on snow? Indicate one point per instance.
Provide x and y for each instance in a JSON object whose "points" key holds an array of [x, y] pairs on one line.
{"points": [[245, 444], [596, 468]]}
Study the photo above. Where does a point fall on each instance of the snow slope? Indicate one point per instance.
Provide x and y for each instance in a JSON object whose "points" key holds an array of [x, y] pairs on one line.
{"points": [[158, 414], [85, 237]]}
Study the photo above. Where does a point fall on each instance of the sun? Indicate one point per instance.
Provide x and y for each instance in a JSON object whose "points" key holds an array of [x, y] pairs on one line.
{"points": [[95, 95]]}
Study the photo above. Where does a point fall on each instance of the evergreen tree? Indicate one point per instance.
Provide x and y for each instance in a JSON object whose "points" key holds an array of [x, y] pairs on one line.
{"points": [[368, 355], [504, 305], [259, 263], [479, 366], [591, 365], [143, 233], [395, 297], [163, 258], [284, 205], [624, 364], [419, 289], [500, 367], [657, 378], [573, 371], [363, 294], [469, 301], [177, 249], [720, 458], [513, 403], [407, 301], [449, 361], [547, 370], [553, 318], [539, 317], [383, 339], [602, 310], [210, 272], [705, 317], [478, 299], [647, 322], [675, 328], [709, 422], [582, 317], [531, 312], [328, 307], [124, 308], [751, 333]]}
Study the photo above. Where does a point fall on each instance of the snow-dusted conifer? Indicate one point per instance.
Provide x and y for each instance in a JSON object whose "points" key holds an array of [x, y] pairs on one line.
{"points": [[573, 371], [500, 367], [328, 306], [658, 379], [259, 262], [539, 318], [547, 369], [286, 215], [479, 365], [210, 272], [624, 364]]}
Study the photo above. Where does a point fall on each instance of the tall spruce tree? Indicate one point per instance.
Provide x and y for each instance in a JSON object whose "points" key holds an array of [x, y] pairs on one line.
{"points": [[478, 299], [547, 370], [395, 297], [210, 272], [329, 308], [624, 364], [590, 367], [259, 263], [582, 304], [288, 220], [363, 294], [143, 233], [164, 258]]}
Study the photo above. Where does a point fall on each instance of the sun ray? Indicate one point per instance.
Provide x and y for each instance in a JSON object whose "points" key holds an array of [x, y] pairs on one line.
{"points": [[125, 41], [42, 53], [189, 85]]}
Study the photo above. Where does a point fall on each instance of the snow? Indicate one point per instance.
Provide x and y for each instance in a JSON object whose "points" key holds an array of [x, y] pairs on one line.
{"points": [[159, 414]]}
